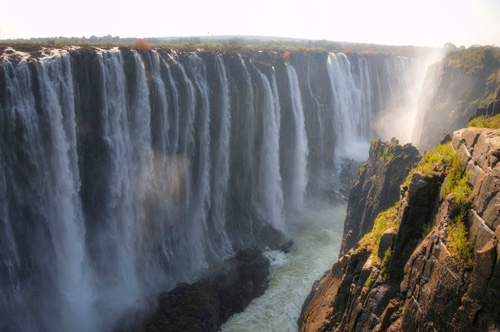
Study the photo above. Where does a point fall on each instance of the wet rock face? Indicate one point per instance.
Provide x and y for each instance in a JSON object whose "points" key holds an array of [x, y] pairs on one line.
{"points": [[497, 91], [447, 111], [376, 187], [424, 288], [208, 303]]}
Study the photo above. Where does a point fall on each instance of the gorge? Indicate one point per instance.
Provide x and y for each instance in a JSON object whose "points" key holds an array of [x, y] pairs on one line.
{"points": [[125, 172]]}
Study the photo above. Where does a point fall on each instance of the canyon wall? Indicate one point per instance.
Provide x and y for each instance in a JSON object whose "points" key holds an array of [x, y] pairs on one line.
{"points": [[421, 275]]}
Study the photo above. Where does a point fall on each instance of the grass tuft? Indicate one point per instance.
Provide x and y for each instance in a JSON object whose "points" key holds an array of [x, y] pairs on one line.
{"points": [[485, 122], [385, 220]]}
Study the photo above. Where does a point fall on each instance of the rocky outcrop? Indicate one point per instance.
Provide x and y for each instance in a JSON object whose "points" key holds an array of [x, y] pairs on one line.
{"points": [[422, 286], [208, 303], [376, 188], [463, 82], [497, 91], [493, 107]]}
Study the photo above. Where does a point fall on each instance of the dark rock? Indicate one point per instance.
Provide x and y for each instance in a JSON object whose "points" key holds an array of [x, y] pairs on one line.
{"points": [[446, 110], [496, 108], [348, 174], [386, 242], [208, 303], [310, 297], [376, 188], [425, 287], [445, 139], [481, 111], [274, 239], [497, 90]]}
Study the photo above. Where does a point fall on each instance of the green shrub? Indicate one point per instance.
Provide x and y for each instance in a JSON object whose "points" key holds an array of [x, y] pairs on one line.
{"points": [[368, 282], [485, 122], [387, 259], [441, 155], [474, 59], [458, 243], [385, 220], [426, 229]]}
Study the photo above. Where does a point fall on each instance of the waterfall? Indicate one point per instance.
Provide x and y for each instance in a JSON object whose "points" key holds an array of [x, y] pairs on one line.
{"points": [[351, 107], [269, 193], [220, 164], [299, 161], [124, 173], [372, 97]]}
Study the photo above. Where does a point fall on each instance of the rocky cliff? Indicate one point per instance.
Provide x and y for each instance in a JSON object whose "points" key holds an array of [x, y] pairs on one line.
{"points": [[460, 84], [377, 187], [431, 263]]}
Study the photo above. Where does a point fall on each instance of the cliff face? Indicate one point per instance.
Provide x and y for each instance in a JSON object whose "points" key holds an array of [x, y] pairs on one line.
{"points": [[460, 84], [421, 283], [377, 188]]}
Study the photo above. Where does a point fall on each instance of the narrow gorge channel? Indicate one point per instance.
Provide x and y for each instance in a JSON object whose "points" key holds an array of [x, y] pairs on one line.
{"points": [[317, 232]]}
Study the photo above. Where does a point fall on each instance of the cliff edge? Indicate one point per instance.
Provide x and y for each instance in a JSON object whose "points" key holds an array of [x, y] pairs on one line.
{"points": [[376, 188], [431, 262]]}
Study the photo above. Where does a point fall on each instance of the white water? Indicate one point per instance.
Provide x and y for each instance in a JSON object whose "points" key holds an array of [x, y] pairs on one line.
{"points": [[299, 164], [351, 107], [269, 193], [317, 232], [184, 162]]}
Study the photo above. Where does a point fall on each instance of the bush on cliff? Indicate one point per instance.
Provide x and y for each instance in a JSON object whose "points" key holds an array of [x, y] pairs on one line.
{"points": [[458, 242], [141, 45], [385, 220], [485, 122], [442, 157]]}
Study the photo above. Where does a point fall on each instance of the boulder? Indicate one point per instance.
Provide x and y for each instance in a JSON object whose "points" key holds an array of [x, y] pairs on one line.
{"points": [[208, 303], [386, 242]]}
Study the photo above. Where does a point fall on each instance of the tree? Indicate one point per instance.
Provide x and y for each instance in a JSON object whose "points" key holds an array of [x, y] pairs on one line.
{"points": [[141, 45]]}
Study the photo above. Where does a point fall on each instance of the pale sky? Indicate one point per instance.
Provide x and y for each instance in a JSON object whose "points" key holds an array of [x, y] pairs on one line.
{"points": [[394, 22]]}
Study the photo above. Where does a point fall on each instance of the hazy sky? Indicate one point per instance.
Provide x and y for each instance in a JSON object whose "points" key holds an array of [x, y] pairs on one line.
{"points": [[397, 22]]}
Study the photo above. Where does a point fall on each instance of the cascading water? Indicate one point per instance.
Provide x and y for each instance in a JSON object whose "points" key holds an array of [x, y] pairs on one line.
{"points": [[352, 107], [269, 195], [299, 161], [124, 172]]}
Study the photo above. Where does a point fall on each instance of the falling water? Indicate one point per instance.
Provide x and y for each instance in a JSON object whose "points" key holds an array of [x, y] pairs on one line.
{"points": [[124, 173], [269, 193], [299, 163]]}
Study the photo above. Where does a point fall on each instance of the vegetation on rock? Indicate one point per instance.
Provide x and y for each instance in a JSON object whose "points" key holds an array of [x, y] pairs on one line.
{"points": [[433, 161], [475, 58], [485, 122], [458, 243], [141, 45], [385, 220]]}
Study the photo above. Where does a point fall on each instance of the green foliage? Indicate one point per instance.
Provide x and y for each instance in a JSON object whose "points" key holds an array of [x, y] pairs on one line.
{"points": [[485, 122], [362, 169], [459, 187], [368, 282], [474, 59], [232, 46], [426, 229], [212, 43], [385, 220], [385, 156], [387, 259], [441, 156], [458, 243]]}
